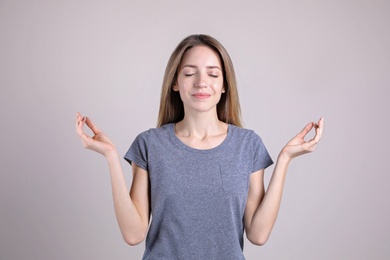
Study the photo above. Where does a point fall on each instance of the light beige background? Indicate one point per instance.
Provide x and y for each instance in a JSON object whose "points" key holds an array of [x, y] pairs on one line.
{"points": [[295, 61]]}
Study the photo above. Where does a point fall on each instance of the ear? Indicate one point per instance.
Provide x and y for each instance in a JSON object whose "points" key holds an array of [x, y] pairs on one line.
{"points": [[175, 87], [223, 89]]}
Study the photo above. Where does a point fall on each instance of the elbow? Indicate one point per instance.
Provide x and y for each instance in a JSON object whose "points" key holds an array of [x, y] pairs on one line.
{"points": [[258, 240], [133, 235], [133, 240]]}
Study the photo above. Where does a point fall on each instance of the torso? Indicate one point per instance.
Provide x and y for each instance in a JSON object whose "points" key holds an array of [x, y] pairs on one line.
{"points": [[198, 196]]}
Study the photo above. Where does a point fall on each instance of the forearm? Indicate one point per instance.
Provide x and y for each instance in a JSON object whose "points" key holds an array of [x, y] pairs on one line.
{"points": [[132, 226], [264, 207], [266, 213]]}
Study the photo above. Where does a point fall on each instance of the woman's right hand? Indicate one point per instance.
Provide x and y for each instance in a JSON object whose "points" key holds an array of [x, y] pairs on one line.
{"points": [[99, 142]]}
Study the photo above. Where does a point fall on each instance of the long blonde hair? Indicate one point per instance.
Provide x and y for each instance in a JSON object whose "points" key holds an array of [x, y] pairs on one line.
{"points": [[171, 106]]}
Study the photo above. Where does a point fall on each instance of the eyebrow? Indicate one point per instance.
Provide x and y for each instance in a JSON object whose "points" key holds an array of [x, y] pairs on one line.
{"points": [[208, 67]]}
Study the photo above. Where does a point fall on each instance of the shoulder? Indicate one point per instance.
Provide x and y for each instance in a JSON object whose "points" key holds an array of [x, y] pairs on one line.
{"points": [[154, 136], [245, 137], [148, 141], [156, 132], [239, 132]]}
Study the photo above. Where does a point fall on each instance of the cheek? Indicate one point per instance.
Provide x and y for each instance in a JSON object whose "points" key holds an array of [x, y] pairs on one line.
{"points": [[183, 82], [178, 85], [218, 86]]}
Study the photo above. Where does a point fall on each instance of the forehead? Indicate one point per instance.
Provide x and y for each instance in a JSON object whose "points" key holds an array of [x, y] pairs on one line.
{"points": [[201, 56]]}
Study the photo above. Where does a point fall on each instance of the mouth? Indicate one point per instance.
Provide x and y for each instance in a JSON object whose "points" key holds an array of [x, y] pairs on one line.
{"points": [[201, 95]]}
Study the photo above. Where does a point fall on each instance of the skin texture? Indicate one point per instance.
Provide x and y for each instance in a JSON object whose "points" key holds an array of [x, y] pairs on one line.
{"points": [[200, 80], [132, 211], [200, 84], [262, 207]]}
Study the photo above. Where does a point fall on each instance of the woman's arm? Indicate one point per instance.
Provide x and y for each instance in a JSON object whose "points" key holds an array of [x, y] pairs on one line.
{"points": [[262, 207], [132, 211]]}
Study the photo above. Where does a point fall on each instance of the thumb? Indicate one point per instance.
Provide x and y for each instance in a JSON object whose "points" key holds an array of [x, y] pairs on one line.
{"points": [[92, 126]]}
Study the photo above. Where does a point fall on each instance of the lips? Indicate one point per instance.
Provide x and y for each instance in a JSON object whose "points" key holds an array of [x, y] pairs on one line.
{"points": [[201, 95]]}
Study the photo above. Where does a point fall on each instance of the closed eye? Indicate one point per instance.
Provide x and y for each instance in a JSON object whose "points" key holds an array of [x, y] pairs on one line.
{"points": [[188, 74], [214, 76]]}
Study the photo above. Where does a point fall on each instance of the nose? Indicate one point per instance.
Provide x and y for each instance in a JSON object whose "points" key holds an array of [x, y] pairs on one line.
{"points": [[201, 81]]}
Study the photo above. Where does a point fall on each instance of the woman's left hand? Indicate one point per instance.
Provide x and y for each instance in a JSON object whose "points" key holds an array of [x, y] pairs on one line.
{"points": [[298, 146]]}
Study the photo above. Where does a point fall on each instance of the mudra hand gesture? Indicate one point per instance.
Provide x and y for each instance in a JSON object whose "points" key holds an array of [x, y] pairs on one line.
{"points": [[298, 146], [99, 142]]}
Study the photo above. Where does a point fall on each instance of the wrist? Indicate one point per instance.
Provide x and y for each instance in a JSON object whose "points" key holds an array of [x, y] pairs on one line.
{"points": [[284, 157], [112, 155]]}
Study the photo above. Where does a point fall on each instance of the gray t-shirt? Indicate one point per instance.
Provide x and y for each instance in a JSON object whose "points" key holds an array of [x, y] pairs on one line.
{"points": [[198, 197]]}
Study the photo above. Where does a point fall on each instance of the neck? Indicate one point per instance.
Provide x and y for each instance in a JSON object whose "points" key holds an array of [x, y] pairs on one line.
{"points": [[200, 125]]}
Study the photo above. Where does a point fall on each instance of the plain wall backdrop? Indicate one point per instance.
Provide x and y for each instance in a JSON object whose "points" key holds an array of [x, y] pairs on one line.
{"points": [[295, 62]]}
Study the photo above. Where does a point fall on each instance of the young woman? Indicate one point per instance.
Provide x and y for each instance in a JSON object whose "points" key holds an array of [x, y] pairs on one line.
{"points": [[199, 174]]}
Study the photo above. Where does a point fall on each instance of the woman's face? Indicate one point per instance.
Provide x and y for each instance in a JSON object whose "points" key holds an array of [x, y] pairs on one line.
{"points": [[200, 80]]}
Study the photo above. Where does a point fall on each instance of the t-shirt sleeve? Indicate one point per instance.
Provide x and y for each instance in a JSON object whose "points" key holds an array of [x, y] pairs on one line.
{"points": [[261, 159], [138, 151]]}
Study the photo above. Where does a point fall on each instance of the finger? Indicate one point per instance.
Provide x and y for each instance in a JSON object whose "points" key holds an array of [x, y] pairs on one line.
{"points": [[305, 130], [91, 125], [311, 147], [319, 130], [78, 122], [86, 139], [78, 118], [307, 146], [311, 144], [321, 126], [80, 125]]}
